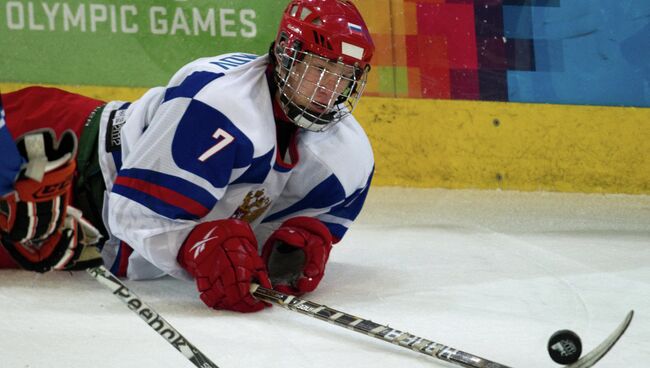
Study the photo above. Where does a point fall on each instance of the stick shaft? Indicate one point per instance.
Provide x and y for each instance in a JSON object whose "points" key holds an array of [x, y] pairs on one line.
{"points": [[151, 317], [369, 328]]}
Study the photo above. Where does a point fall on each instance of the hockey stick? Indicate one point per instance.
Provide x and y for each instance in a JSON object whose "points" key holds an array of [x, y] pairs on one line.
{"points": [[412, 342], [151, 317]]}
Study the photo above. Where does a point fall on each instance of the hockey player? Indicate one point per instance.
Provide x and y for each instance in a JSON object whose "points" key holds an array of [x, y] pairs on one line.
{"points": [[242, 169]]}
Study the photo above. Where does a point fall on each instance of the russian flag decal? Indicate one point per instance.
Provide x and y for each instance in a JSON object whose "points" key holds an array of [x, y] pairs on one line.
{"points": [[355, 28]]}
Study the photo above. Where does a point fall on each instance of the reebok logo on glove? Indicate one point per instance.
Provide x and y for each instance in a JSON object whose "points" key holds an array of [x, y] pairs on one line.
{"points": [[225, 267], [199, 246]]}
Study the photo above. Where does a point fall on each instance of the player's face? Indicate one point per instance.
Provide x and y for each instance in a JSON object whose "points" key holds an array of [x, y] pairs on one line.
{"points": [[317, 83]]}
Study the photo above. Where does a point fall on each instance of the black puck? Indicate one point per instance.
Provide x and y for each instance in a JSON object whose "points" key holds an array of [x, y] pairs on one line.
{"points": [[564, 347]]}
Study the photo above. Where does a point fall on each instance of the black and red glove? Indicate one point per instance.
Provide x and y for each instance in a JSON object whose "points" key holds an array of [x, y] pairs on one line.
{"points": [[222, 256], [296, 254], [38, 228], [36, 208]]}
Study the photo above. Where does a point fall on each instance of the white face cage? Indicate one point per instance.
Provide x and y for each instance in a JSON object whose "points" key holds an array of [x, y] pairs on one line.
{"points": [[316, 92]]}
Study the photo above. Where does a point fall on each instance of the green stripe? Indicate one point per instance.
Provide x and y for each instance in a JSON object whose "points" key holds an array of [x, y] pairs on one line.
{"points": [[126, 43]]}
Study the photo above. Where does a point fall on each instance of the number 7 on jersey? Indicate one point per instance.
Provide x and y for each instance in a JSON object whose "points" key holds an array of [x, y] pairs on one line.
{"points": [[223, 139]]}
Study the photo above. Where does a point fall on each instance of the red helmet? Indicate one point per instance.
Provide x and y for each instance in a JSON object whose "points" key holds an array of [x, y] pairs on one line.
{"points": [[333, 29], [328, 36]]}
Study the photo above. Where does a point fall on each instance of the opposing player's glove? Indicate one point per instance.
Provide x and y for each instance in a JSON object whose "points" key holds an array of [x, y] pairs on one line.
{"points": [[222, 256], [37, 206], [35, 226], [296, 255], [70, 248]]}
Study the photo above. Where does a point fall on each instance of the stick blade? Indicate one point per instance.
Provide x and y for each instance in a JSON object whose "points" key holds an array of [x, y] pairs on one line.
{"points": [[599, 351]]}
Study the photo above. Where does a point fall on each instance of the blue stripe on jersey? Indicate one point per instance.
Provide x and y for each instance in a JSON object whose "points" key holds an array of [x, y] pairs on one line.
{"points": [[337, 230], [10, 159], [258, 171], [158, 203], [117, 159], [280, 168], [191, 85], [116, 263], [349, 209], [173, 183], [352, 205], [199, 134], [324, 195]]}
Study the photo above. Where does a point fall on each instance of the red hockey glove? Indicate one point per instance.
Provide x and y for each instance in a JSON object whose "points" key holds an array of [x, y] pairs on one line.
{"points": [[296, 255], [222, 256]]}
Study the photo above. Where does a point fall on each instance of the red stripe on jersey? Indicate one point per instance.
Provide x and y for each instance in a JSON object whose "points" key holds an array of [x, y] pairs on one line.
{"points": [[165, 195], [125, 253]]}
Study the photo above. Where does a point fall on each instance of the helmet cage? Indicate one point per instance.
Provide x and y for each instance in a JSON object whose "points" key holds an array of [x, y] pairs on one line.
{"points": [[301, 97]]}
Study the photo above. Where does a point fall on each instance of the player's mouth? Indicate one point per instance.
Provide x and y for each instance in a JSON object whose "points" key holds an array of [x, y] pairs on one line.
{"points": [[318, 108]]}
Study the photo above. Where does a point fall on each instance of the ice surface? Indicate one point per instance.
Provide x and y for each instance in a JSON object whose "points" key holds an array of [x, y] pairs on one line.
{"points": [[492, 273]]}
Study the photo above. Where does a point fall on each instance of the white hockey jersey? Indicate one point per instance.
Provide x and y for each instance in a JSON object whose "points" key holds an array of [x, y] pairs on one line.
{"points": [[203, 148]]}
